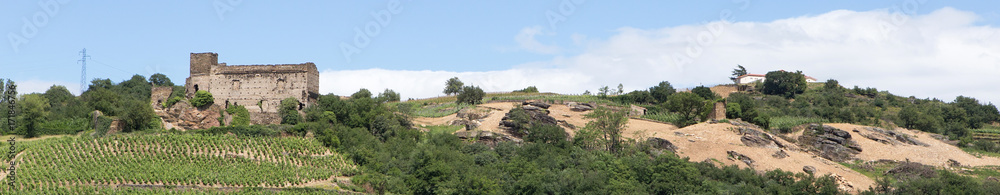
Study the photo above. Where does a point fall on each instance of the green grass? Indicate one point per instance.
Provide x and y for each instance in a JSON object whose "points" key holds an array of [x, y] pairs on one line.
{"points": [[979, 153], [437, 110], [787, 122], [443, 129], [988, 129]]}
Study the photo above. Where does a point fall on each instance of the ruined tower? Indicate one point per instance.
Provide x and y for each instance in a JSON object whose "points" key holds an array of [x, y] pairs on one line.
{"points": [[259, 88]]}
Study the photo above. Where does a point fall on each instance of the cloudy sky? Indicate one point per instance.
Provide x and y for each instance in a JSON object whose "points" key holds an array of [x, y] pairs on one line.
{"points": [[922, 48]]}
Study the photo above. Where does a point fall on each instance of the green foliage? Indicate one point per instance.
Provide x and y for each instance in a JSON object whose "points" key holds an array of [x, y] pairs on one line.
{"points": [[785, 123], [529, 89], [361, 94], [241, 117], [453, 86], [289, 111], [691, 108], [252, 130], [470, 95], [550, 134], [159, 79], [733, 110], [175, 159], [634, 97], [832, 85], [137, 116], [202, 98], [173, 100], [705, 93], [782, 83], [610, 124], [64, 105], [667, 117], [387, 96], [34, 110], [739, 71], [662, 91]]}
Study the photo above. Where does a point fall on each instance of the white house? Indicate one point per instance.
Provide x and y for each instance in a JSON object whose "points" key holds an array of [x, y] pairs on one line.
{"points": [[751, 78]]}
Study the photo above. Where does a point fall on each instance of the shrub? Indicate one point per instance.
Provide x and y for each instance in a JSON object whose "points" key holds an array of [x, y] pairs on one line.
{"points": [[530, 89], [733, 110], [783, 83], [241, 117], [202, 98], [546, 134], [289, 111], [470, 95], [170, 102]]}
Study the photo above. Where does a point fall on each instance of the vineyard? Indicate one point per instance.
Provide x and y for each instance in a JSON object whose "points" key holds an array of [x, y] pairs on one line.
{"points": [[991, 133], [171, 160]]}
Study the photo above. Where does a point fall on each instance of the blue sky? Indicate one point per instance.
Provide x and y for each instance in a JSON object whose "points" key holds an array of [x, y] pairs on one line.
{"points": [[506, 45]]}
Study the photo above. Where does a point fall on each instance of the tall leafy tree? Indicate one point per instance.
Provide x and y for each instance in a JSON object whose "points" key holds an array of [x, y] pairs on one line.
{"points": [[289, 111], [470, 95], [739, 71], [159, 79], [690, 106], [609, 124], [661, 91], [783, 83], [387, 96], [705, 92], [136, 115], [453, 86], [34, 110]]}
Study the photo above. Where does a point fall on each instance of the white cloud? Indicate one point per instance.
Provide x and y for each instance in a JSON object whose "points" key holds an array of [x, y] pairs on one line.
{"points": [[526, 40], [941, 54]]}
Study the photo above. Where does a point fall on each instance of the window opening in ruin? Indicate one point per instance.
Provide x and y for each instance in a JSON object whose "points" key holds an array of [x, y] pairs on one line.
{"points": [[195, 88]]}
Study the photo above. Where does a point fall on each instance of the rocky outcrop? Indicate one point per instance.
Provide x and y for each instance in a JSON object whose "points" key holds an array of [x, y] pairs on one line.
{"points": [[829, 142], [888, 136], [183, 116], [487, 137], [662, 144], [579, 107], [809, 169], [516, 123], [542, 105], [733, 155], [780, 154], [471, 118]]}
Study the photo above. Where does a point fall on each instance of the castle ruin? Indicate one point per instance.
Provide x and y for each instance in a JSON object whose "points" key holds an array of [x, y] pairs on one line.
{"points": [[259, 88]]}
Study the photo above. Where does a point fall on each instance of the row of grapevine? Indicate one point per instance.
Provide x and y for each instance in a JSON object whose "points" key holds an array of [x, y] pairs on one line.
{"points": [[178, 160]]}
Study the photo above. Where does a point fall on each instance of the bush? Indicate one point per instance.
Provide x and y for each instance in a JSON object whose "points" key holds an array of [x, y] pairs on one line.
{"points": [[137, 116], [733, 110], [550, 134], [202, 98], [170, 102], [241, 117], [782, 83], [470, 95], [289, 111]]}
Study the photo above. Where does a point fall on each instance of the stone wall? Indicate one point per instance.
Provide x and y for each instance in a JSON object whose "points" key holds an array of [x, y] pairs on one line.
{"points": [[259, 88]]}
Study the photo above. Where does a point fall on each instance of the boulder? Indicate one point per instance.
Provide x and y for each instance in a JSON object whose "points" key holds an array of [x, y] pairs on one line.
{"points": [[755, 141], [472, 114], [733, 155], [579, 107], [829, 142], [542, 105], [780, 154], [662, 144], [809, 169], [469, 124]]}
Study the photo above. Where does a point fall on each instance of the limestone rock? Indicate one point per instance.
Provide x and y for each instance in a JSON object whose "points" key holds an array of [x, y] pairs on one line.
{"points": [[542, 105], [663, 144], [733, 155]]}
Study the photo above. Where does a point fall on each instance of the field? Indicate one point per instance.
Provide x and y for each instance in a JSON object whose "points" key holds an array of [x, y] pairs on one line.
{"points": [[991, 133], [158, 161]]}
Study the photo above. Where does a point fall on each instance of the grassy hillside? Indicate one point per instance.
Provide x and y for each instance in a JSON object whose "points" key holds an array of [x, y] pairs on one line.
{"points": [[158, 161]]}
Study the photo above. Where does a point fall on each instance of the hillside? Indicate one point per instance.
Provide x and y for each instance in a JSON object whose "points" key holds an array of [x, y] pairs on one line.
{"points": [[161, 162]]}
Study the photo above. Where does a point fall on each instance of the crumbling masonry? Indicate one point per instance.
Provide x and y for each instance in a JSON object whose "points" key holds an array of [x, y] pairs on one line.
{"points": [[259, 88]]}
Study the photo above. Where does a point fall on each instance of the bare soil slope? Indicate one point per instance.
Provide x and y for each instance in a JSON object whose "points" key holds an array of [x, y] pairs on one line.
{"points": [[713, 142]]}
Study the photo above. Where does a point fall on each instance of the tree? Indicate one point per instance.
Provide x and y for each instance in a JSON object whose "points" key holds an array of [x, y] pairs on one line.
{"points": [[102, 99], [64, 104], [529, 89], [690, 106], [453, 86], [159, 79], [705, 93], [362, 94], [831, 85], [137, 87], [610, 124], [289, 111], [739, 71], [387, 96], [34, 110], [621, 89], [136, 115], [202, 98], [470, 95], [604, 91], [586, 92], [661, 91], [783, 83]]}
